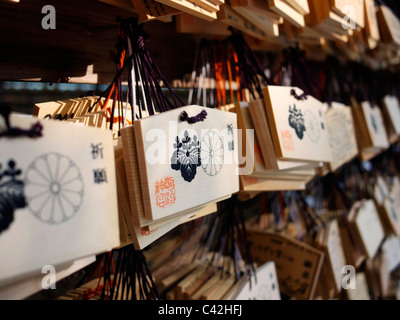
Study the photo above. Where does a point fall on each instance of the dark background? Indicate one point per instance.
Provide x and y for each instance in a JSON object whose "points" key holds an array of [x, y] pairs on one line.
{"points": [[86, 34]]}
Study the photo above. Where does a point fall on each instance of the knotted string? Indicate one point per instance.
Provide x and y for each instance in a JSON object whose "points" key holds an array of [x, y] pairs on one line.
{"points": [[150, 69], [249, 67], [362, 80], [130, 279], [301, 97], [34, 132], [191, 120], [336, 74], [142, 64], [302, 75]]}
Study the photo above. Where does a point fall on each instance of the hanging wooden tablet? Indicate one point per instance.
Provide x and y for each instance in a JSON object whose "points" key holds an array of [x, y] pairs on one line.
{"points": [[350, 9], [68, 109], [391, 215], [293, 176], [55, 109], [389, 25], [83, 110], [249, 143], [218, 2], [187, 215], [371, 30], [134, 228], [353, 250], [264, 22], [264, 286], [297, 126], [287, 12], [273, 184], [263, 135], [206, 5], [222, 286], [193, 281], [394, 202], [323, 19], [372, 276], [259, 6], [368, 228], [391, 111], [28, 286], [287, 170], [375, 124], [136, 219], [231, 294], [382, 274], [361, 292], [298, 265], [131, 168], [130, 232], [334, 253], [230, 17], [384, 205], [300, 5], [190, 8], [209, 285], [190, 164], [391, 250], [150, 9], [55, 197], [123, 200], [370, 130], [341, 135], [381, 190], [187, 23]]}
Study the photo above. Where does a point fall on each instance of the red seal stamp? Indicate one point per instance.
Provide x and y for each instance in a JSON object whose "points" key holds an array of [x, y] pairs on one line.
{"points": [[287, 140], [165, 192], [145, 232], [250, 180]]}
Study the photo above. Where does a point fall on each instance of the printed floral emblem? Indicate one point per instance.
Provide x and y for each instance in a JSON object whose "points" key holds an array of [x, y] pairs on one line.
{"points": [[313, 126], [212, 153], [11, 194], [186, 156], [373, 122], [165, 192], [296, 121], [287, 141], [54, 187]]}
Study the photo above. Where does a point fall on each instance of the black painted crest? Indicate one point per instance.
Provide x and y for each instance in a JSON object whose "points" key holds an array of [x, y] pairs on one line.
{"points": [[11, 194], [296, 121], [186, 156]]}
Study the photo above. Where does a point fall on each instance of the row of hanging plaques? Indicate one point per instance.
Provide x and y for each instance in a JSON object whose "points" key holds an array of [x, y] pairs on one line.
{"points": [[161, 158], [351, 22], [77, 180], [297, 136], [363, 236], [162, 171], [58, 194]]}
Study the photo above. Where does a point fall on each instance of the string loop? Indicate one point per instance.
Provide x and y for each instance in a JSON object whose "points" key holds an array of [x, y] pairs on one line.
{"points": [[191, 120], [301, 97], [34, 132]]}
